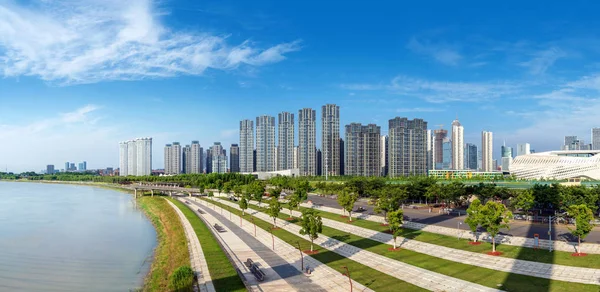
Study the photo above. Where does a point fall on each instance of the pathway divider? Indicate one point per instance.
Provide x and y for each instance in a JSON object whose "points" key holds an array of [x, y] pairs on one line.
{"points": [[197, 258], [417, 276], [321, 274], [523, 267]]}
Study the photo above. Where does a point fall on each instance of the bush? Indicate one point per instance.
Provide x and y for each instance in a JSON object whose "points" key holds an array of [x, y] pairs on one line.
{"points": [[182, 279]]}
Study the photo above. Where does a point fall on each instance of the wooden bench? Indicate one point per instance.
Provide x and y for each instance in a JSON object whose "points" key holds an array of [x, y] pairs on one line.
{"points": [[255, 270]]}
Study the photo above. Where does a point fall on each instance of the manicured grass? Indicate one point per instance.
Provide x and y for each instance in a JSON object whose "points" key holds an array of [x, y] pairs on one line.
{"points": [[509, 251], [172, 250], [369, 277], [222, 272], [483, 276]]}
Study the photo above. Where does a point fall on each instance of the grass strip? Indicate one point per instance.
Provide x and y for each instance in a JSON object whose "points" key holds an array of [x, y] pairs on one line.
{"points": [[508, 251], [222, 273], [367, 276], [482, 276], [172, 250]]}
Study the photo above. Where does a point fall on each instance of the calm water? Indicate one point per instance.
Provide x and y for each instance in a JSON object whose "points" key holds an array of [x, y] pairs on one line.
{"points": [[71, 238]]}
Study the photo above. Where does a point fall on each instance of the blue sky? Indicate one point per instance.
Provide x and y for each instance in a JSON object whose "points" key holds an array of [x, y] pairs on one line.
{"points": [[79, 76]]}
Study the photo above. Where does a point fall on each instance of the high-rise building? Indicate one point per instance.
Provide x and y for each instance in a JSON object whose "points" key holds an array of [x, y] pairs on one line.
{"points": [[82, 166], [50, 169], [247, 146], [196, 165], [265, 143], [383, 146], [487, 151], [571, 143], [342, 157], [173, 158], [407, 147], [295, 157], [362, 150], [67, 165], [254, 160], [319, 161], [438, 142], [187, 159], [209, 159], [234, 158], [219, 158], [307, 142], [286, 141], [507, 156], [72, 167], [275, 157], [471, 156], [330, 146], [595, 138], [523, 149], [447, 154], [135, 157], [430, 150], [458, 146]]}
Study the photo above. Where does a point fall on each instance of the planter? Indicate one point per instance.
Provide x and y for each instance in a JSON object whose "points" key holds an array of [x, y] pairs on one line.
{"points": [[494, 253], [308, 252], [474, 242]]}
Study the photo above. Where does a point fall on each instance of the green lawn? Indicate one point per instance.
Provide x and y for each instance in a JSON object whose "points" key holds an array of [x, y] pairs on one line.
{"points": [[474, 274], [367, 276], [222, 272], [509, 251]]}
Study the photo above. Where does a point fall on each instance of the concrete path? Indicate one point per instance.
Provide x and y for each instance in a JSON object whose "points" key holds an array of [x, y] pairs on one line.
{"points": [[282, 266], [529, 268], [196, 254], [417, 276]]}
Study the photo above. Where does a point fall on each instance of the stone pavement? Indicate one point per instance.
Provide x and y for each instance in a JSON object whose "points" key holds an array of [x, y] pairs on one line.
{"points": [[196, 254], [417, 276], [591, 248], [282, 266]]}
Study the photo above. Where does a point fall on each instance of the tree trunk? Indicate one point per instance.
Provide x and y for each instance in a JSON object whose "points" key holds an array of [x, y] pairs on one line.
{"points": [[394, 242], [243, 213], [578, 244], [494, 243], [311, 245], [275, 222], [350, 212], [290, 212]]}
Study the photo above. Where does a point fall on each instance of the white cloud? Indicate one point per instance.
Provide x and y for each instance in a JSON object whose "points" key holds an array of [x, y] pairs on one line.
{"points": [[443, 53], [69, 42], [419, 109], [542, 60]]}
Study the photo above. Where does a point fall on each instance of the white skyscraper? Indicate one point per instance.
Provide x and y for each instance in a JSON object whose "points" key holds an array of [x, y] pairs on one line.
{"points": [[487, 162], [144, 156], [458, 146], [430, 150], [384, 154], [286, 141], [595, 138], [135, 157], [246, 146], [219, 159], [196, 159], [131, 158], [523, 149], [173, 158], [307, 145], [265, 143], [123, 158]]}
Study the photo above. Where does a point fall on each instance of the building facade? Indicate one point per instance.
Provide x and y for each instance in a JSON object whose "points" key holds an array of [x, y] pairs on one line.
{"points": [[471, 156], [209, 159], [487, 161], [286, 141], [383, 146], [173, 157], [595, 139], [307, 143], [197, 165], [430, 150], [565, 164], [447, 154], [135, 157], [362, 150], [186, 159], [458, 146], [234, 158], [219, 158], [438, 142], [50, 169], [523, 149], [265, 143], [247, 146], [407, 147], [330, 146]]}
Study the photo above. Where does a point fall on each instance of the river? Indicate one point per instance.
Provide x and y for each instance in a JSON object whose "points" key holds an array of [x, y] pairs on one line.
{"points": [[71, 238]]}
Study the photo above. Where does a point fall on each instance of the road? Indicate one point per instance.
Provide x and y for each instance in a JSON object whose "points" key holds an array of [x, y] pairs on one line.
{"points": [[517, 228]]}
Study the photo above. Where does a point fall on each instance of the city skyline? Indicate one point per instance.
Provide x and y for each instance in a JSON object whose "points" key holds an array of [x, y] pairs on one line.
{"points": [[520, 82]]}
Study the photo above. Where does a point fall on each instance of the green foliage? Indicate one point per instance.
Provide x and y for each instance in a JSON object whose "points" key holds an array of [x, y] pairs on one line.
{"points": [[182, 279], [274, 209], [493, 216], [276, 192], [243, 203], [583, 216], [473, 215], [524, 200], [257, 190], [346, 199], [311, 224], [293, 202], [389, 198], [395, 220]]}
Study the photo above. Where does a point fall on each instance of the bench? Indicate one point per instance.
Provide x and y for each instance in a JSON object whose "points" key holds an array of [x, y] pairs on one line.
{"points": [[255, 270]]}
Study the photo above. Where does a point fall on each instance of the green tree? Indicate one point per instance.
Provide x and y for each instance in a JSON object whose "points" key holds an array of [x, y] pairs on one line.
{"points": [[227, 187], [293, 202], [395, 219], [342, 200], [237, 190], [274, 209], [583, 215], [524, 200], [257, 190], [243, 205], [311, 224], [349, 203], [494, 216], [473, 217], [384, 203], [433, 192], [276, 192]]}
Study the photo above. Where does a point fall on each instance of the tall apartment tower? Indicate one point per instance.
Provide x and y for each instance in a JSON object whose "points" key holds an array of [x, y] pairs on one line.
{"points": [[523, 149], [187, 159], [144, 156], [247, 146], [595, 138], [135, 157], [209, 159], [330, 146], [122, 159], [487, 162], [407, 147], [458, 146], [342, 157], [197, 164], [438, 146], [362, 150], [265, 143], [132, 158], [383, 146], [295, 157], [430, 150], [234, 158], [219, 159], [173, 158], [307, 142], [286, 141], [471, 156], [570, 143]]}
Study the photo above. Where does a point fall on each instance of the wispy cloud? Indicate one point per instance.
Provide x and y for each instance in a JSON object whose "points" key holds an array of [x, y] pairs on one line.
{"points": [[443, 53], [419, 109], [543, 60], [90, 41]]}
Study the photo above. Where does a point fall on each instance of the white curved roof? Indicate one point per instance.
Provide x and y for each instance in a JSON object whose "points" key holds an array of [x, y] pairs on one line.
{"points": [[557, 165]]}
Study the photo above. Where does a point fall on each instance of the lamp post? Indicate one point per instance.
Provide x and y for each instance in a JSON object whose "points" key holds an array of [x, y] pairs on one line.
{"points": [[301, 255], [272, 238], [459, 224], [550, 232], [252, 218], [348, 274]]}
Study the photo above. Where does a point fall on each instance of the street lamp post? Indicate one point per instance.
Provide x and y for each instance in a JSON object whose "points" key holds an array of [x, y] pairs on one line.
{"points": [[254, 226], [550, 232], [301, 255], [459, 224], [272, 238], [348, 274]]}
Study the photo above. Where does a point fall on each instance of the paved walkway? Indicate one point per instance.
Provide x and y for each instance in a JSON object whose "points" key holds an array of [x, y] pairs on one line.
{"points": [[282, 266], [417, 276], [196, 254], [529, 268]]}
